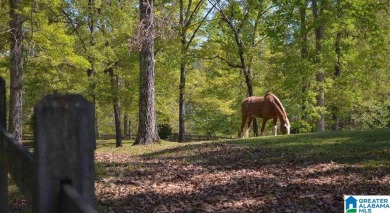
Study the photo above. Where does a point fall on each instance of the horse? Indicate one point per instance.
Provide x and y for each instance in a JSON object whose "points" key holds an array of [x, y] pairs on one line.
{"points": [[265, 107]]}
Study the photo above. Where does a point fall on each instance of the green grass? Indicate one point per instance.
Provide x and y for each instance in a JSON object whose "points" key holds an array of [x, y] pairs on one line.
{"points": [[369, 149], [357, 156]]}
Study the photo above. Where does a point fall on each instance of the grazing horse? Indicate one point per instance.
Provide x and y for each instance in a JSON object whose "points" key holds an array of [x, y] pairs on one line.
{"points": [[265, 107]]}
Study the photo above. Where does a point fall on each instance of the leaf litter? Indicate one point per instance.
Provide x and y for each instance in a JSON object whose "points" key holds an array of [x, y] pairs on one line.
{"points": [[229, 177], [226, 177]]}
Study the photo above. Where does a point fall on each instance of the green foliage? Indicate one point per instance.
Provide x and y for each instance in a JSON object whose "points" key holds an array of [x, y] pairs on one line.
{"points": [[164, 131], [60, 47], [301, 126]]}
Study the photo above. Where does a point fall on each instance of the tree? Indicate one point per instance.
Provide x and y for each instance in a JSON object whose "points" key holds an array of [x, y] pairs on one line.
{"points": [[319, 31], [147, 127], [287, 47], [187, 17], [16, 69], [79, 15], [243, 21], [114, 79], [303, 34]]}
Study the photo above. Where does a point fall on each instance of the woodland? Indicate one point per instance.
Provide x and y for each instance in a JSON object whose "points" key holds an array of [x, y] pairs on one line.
{"points": [[184, 67], [326, 60]]}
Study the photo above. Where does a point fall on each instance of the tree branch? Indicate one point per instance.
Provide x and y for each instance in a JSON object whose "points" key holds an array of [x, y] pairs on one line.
{"points": [[225, 60], [197, 28], [75, 29], [195, 11]]}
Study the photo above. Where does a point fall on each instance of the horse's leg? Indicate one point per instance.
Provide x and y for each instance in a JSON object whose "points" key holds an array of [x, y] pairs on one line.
{"points": [[275, 126], [245, 126], [263, 126], [250, 122]]}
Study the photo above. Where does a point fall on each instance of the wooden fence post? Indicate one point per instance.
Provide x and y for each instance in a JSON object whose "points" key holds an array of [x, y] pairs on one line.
{"points": [[64, 150], [3, 154]]}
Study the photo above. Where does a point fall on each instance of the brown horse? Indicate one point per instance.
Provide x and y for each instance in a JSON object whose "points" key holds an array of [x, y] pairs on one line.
{"points": [[265, 107]]}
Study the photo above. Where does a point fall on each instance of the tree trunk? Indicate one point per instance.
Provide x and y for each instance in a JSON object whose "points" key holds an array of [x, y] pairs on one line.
{"points": [[116, 104], [130, 130], [4, 160], [337, 67], [126, 125], [320, 75], [117, 117], [16, 69], [91, 72], [183, 31], [185, 20], [304, 56], [247, 72], [97, 133], [244, 67], [147, 128], [320, 125], [182, 101], [249, 85]]}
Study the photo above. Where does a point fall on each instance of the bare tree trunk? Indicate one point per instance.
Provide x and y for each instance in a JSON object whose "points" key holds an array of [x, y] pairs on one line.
{"points": [[130, 129], [91, 72], [244, 67], [97, 133], [117, 117], [114, 79], [186, 17], [318, 12], [337, 67], [304, 56], [16, 69], [147, 128], [126, 125], [4, 160], [182, 74], [183, 42], [182, 101], [248, 81]]}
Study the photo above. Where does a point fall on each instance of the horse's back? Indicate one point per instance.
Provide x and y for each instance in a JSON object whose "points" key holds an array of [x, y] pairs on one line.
{"points": [[260, 106], [253, 105]]}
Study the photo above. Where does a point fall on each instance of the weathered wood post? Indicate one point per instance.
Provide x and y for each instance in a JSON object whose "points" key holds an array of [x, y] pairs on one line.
{"points": [[3, 159], [64, 153]]}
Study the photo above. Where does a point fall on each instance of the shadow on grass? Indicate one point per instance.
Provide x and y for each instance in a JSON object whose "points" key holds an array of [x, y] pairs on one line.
{"points": [[350, 147], [306, 173]]}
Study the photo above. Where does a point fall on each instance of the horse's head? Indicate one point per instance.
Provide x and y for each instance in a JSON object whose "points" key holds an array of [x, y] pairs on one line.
{"points": [[285, 127]]}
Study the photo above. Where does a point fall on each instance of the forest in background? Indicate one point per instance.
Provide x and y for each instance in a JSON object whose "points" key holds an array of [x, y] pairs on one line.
{"points": [[326, 60]]}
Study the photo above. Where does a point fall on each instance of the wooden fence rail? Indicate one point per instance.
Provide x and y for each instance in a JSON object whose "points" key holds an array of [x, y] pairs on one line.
{"points": [[59, 176], [171, 137], [189, 138]]}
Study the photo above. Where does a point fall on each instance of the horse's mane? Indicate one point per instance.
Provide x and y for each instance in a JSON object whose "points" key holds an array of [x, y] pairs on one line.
{"points": [[279, 104]]}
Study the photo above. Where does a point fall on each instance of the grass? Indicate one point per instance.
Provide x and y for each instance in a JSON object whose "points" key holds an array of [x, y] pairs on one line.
{"points": [[368, 147], [318, 166]]}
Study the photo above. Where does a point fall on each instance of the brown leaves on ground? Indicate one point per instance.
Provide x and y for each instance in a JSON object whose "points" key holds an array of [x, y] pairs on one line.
{"points": [[227, 177]]}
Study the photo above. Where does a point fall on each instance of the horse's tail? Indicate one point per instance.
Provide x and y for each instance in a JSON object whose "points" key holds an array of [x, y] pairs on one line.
{"points": [[245, 119], [245, 129]]}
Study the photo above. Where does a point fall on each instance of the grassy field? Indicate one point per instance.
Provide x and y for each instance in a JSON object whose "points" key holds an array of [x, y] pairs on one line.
{"points": [[296, 173]]}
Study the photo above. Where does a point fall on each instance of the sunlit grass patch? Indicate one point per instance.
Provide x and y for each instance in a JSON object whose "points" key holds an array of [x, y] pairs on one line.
{"points": [[233, 173]]}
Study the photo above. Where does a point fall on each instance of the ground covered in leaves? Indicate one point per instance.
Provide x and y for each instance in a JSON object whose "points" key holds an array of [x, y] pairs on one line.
{"points": [[296, 173]]}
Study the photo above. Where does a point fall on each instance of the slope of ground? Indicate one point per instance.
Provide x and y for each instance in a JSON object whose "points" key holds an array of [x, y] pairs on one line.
{"points": [[296, 173]]}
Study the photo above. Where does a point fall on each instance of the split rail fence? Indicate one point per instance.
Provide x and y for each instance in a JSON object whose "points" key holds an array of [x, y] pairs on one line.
{"points": [[59, 176]]}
